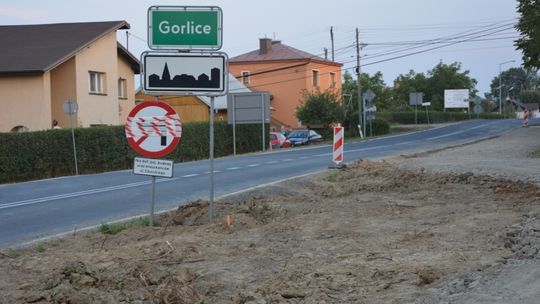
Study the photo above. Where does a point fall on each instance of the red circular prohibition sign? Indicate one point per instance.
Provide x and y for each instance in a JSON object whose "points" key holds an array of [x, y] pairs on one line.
{"points": [[151, 119]]}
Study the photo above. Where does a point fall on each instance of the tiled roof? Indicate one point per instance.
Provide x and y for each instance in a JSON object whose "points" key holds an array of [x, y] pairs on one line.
{"points": [[277, 52], [34, 49]]}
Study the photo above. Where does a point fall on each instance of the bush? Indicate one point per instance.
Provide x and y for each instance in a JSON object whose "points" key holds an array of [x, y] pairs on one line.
{"points": [[377, 126], [45, 154]]}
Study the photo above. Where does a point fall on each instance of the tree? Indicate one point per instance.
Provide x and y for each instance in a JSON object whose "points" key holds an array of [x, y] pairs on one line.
{"points": [[319, 108], [384, 97], [447, 76], [406, 84], [529, 28], [514, 81], [529, 96], [441, 77]]}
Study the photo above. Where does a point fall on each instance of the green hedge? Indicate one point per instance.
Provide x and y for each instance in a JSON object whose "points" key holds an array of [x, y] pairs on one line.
{"points": [[434, 117], [45, 154], [377, 126]]}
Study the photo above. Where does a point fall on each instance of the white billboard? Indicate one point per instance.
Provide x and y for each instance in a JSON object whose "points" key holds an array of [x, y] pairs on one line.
{"points": [[456, 98]]}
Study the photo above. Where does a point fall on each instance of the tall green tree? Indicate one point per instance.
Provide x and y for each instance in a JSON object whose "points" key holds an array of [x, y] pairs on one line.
{"points": [[411, 82], [440, 78], [384, 97], [447, 76], [530, 96], [529, 29], [320, 108], [514, 81]]}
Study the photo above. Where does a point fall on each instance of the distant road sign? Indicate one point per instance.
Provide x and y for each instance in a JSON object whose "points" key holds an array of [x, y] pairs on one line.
{"points": [[369, 95], [416, 99], [70, 107], [184, 74], [185, 27], [153, 129], [248, 108]]}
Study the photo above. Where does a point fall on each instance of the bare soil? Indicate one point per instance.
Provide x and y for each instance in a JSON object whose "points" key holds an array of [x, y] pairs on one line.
{"points": [[402, 230]]}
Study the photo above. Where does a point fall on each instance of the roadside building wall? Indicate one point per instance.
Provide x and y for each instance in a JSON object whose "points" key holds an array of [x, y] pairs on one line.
{"points": [[63, 88], [25, 101], [98, 109]]}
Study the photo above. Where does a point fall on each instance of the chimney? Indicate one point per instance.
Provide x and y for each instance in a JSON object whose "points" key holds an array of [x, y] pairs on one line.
{"points": [[265, 45]]}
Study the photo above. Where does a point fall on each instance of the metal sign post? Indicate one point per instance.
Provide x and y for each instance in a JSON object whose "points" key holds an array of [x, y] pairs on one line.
{"points": [[416, 99], [70, 108], [211, 200], [179, 30], [262, 124], [153, 167], [248, 108], [233, 126], [367, 96], [153, 129]]}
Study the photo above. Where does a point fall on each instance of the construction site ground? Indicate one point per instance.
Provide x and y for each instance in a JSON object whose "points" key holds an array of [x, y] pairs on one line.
{"points": [[460, 225]]}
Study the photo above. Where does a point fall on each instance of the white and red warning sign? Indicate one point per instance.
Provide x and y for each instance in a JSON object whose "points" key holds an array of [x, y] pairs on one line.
{"points": [[337, 156], [153, 129]]}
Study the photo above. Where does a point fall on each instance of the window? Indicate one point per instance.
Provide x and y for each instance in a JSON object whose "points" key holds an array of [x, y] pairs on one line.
{"points": [[315, 77], [97, 82], [122, 88], [332, 80], [245, 77]]}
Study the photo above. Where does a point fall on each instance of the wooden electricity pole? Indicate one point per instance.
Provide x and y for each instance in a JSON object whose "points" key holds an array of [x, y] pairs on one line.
{"points": [[358, 73]]}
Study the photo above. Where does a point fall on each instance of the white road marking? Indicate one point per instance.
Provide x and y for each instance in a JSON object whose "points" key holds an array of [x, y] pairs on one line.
{"points": [[73, 194], [254, 165], [190, 175], [233, 168]]}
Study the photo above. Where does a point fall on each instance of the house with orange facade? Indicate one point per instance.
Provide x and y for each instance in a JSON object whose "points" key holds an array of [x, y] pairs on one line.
{"points": [[285, 72], [44, 65]]}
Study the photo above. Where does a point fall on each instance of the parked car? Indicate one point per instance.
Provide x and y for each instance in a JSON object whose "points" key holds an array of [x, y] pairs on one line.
{"points": [[303, 137], [278, 140]]}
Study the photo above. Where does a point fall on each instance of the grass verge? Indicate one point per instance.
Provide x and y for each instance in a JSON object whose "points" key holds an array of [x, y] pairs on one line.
{"points": [[115, 228]]}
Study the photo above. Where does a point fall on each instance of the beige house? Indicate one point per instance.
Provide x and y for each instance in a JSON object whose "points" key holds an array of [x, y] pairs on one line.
{"points": [[42, 66]]}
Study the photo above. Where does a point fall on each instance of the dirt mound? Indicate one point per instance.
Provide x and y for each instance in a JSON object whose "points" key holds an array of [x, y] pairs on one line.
{"points": [[248, 212], [193, 213], [141, 282]]}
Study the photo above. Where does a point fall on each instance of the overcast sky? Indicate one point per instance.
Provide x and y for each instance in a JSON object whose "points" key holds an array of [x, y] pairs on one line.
{"points": [[477, 33]]}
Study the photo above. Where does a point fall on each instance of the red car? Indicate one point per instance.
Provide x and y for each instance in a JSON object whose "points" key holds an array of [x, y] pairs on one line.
{"points": [[278, 140]]}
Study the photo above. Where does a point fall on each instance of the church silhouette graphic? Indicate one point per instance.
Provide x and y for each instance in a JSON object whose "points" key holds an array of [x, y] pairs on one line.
{"points": [[203, 81]]}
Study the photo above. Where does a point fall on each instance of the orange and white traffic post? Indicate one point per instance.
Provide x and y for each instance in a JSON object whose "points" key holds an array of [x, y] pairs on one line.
{"points": [[339, 142], [525, 118]]}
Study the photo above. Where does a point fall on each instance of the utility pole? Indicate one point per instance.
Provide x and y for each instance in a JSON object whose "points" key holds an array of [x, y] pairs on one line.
{"points": [[359, 84], [127, 40], [332, 39]]}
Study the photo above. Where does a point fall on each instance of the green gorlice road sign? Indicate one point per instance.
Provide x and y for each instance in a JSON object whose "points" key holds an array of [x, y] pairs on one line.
{"points": [[185, 27]]}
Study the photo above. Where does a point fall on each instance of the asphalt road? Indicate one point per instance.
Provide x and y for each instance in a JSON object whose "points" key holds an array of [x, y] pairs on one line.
{"points": [[39, 209]]}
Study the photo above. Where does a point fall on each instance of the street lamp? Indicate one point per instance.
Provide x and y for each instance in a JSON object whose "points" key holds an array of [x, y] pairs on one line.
{"points": [[500, 84]]}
